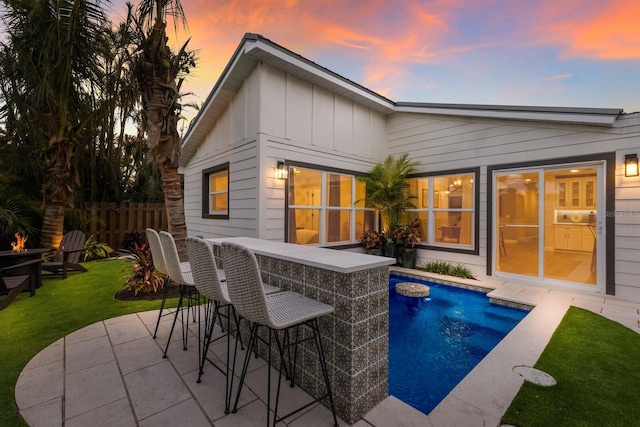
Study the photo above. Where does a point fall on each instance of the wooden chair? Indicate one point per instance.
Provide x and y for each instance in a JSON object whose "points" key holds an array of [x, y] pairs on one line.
{"points": [[11, 286], [67, 255]]}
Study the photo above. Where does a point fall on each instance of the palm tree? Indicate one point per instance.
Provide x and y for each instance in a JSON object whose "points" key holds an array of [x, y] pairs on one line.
{"points": [[157, 71], [48, 69], [387, 189]]}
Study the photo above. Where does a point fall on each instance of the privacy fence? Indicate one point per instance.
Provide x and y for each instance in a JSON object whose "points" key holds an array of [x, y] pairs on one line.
{"points": [[112, 221]]}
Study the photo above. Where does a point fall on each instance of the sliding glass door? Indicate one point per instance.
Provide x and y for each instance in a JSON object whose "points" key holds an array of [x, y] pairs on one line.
{"points": [[547, 224]]}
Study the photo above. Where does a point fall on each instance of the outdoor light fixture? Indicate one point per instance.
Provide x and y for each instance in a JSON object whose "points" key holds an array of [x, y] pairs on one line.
{"points": [[631, 165], [281, 170]]}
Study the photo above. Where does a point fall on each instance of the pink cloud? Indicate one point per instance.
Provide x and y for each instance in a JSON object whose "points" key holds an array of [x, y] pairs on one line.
{"points": [[603, 30]]}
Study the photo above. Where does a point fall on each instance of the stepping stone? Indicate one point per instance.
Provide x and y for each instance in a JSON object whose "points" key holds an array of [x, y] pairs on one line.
{"points": [[534, 375], [415, 290]]}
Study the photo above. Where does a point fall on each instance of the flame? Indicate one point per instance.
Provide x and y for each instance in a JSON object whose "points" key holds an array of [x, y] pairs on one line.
{"points": [[18, 246]]}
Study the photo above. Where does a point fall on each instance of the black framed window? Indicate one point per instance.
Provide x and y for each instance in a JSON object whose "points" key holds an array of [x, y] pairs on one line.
{"points": [[215, 192], [446, 205]]}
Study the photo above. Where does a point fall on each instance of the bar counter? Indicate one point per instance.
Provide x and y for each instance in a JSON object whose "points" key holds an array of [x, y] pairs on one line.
{"points": [[355, 337]]}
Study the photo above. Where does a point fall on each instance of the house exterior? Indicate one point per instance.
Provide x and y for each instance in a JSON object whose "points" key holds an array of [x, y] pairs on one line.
{"points": [[535, 194]]}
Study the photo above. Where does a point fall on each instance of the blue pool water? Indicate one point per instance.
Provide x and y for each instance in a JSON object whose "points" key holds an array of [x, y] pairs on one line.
{"points": [[435, 342]]}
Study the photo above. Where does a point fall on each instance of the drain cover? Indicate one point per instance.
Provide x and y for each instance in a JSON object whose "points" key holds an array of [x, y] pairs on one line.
{"points": [[534, 375]]}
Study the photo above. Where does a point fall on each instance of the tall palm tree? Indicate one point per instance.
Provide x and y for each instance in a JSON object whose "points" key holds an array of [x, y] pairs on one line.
{"points": [[48, 67], [157, 71]]}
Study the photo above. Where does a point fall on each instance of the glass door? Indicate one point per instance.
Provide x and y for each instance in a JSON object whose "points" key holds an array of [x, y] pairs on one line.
{"points": [[546, 224], [518, 223]]}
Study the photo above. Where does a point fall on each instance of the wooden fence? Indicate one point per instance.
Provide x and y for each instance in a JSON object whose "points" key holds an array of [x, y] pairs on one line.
{"points": [[112, 221]]}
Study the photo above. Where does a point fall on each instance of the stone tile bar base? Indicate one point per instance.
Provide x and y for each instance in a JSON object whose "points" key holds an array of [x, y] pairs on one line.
{"points": [[355, 338]]}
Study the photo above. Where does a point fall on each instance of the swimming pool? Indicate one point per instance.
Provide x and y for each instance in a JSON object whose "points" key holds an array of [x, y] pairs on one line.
{"points": [[434, 342]]}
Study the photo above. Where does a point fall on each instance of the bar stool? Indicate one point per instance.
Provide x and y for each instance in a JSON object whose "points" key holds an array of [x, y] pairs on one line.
{"points": [[283, 311], [157, 255], [184, 279], [208, 279]]}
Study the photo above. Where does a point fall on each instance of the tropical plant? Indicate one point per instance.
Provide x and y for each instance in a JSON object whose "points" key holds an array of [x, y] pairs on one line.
{"points": [[157, 72], [407, 235], [387, 189], [131, 239], [48, 67], [372, 239], [447, 268], [95, 250], [144, 277]]}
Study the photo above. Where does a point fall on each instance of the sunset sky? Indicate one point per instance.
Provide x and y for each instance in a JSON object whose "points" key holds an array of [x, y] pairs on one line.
{"points": [[573, 53]]}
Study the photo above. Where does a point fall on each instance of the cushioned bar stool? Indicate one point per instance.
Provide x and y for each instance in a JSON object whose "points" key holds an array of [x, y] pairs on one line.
{"points": [[279, 312], [157, 255], [182, 278]]}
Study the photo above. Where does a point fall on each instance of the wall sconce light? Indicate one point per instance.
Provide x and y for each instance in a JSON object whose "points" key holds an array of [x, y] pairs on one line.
{"points": [[631, 165], [282, 172]]}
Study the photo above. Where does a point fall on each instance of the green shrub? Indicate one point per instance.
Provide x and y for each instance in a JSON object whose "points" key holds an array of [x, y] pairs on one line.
{"points": [[95, 250], [447, 268]]}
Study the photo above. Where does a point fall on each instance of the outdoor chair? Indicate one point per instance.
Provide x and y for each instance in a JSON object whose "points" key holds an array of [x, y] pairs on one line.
{"points": [[182, 278], [11, 286], [279, 312], [157, 256], [67, 256], [207, 279]]}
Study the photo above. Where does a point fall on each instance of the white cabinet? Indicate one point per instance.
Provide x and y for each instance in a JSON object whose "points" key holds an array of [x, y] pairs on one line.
{"points": [[588, 239], [568, 238], [576, 193], [573, 238]]}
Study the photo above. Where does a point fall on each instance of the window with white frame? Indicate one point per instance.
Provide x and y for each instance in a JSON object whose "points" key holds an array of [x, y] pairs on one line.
{"points": [[445, 205], [215, 192], [326, 208]]}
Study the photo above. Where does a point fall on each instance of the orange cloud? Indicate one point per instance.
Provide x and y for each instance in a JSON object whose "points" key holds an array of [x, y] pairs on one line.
{"points": [[606, 30]]}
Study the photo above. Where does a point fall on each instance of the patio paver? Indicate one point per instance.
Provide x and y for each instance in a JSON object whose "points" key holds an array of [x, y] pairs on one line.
{"points": [[112, 373]]}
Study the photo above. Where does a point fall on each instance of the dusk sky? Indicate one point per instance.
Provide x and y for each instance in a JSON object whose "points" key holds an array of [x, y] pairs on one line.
{"points": [[573, 53]]}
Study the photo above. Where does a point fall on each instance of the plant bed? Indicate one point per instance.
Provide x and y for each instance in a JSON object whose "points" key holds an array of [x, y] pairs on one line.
{"points": [[127, 294]]}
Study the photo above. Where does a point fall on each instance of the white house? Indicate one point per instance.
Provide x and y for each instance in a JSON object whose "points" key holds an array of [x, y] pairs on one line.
{"points": [[536, 194]]}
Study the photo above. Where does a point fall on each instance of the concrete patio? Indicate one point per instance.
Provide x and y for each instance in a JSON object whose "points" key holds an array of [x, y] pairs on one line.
{"points": [[112, 373]]}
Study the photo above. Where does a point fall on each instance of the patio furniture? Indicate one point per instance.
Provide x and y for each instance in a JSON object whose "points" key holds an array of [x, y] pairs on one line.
{"points": [[11, 286], [280, 312], [67, 256], [157, 255], [207, 280], [184, 279], [10, 258]]}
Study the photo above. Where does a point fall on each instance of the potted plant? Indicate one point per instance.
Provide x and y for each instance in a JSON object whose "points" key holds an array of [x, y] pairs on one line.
{"points": [[373, 242], [406, 237]]}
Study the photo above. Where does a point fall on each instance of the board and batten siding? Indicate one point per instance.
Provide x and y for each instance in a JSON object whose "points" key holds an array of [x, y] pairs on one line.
{"points": [[275, 116], [442, 143], [233, 139], [303, 123]]}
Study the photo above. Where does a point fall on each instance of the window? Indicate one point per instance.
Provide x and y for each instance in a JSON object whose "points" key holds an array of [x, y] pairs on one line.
{"points": [[326, 208], [445, 205], [215, 192]]}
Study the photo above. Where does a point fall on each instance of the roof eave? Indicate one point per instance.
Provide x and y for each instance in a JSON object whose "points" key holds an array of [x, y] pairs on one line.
{"points": [[587, 116]]}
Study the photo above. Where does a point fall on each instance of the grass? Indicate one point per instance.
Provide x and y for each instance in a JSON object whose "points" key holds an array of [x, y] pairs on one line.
{"points": [[596, 364], [60, 307]]}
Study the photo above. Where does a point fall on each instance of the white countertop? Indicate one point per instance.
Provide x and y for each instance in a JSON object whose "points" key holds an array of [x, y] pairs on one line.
{"points": [[329, 259]]}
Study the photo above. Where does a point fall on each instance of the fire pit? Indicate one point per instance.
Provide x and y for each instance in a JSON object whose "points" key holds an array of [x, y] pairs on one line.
{"points": [[19, 254]]}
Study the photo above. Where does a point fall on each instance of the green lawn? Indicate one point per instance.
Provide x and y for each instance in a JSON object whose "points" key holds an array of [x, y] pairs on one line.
{"points": [[596, 363], [60, 307]]}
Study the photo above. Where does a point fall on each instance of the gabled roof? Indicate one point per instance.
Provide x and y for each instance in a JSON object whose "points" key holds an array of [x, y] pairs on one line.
{"points": [[254, 49]]}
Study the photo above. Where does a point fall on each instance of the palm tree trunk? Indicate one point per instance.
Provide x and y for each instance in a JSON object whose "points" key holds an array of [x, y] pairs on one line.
{"points": [[174, 204], [52, 225]]}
